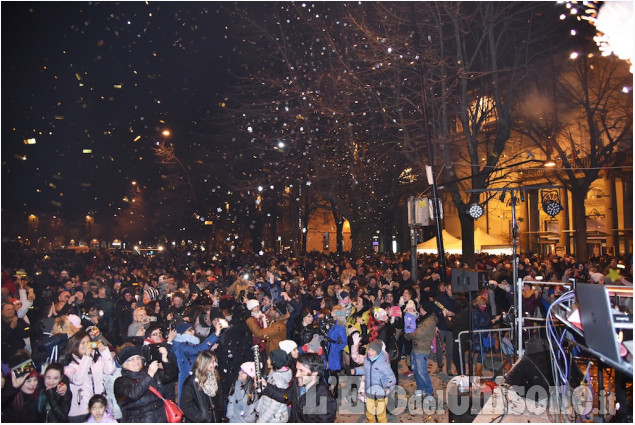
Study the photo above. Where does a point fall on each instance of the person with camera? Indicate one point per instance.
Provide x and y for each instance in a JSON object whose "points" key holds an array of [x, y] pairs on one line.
{"points": [[123, 313], [138, 403], [176, 310], [88, 362], [277, 330], [153, 342], [140, 322]]}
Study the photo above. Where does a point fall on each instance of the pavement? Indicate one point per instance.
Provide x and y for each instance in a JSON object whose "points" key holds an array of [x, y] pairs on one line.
{"points": [[408, 411]]}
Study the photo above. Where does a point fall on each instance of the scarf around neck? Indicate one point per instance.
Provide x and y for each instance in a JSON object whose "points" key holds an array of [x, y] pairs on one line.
{"points": [[211, 386], [192, 339]]}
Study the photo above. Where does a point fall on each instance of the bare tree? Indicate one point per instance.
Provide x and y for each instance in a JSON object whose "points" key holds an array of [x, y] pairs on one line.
{"points": [[576, 112], [306, 116]]}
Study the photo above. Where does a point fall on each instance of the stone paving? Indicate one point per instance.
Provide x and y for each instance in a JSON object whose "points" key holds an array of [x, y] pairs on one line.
{"points": [[416, 413]]}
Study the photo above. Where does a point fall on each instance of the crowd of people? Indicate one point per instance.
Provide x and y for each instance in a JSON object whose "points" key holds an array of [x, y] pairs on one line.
{"points": [[109, 336]]}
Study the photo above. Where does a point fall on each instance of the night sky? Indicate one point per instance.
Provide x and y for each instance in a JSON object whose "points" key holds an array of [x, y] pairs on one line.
{"points": [[89, 87], [105, 78]]}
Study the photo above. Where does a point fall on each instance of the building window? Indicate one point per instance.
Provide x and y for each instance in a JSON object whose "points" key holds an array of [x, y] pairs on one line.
{"points": [[595, 222], [552, 226]]}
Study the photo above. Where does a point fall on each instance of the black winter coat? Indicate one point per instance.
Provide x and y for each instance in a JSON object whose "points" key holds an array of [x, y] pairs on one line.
{"points": [[304, 334], [169, 387], [28, 412], [198, 406], [55, 407], [136, 401], [13, 339], [234, 349], [306, 408]]}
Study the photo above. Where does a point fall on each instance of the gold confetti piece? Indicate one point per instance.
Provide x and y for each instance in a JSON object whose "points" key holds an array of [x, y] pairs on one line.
{"points": [[59, 117], [79, 77], [87, 151], [136, 139], [30, 141], [117, 86]]}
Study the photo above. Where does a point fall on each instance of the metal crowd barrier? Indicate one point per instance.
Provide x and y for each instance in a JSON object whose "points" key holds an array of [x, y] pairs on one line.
{"points": [[494, 359]]}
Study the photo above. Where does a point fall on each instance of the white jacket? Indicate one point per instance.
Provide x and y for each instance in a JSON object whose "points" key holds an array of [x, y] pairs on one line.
{"points": [[269, 410], [86, 378]]}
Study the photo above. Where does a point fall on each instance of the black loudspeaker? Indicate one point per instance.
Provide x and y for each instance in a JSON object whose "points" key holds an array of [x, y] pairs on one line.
{"points": [[467, 280], [534, 369]]}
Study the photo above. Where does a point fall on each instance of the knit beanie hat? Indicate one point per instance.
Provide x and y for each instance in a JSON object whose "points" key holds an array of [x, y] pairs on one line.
{"points": [[128, 352], [377, 345], [182, 327], [278, 358], [314, 345], [249, 368], [251, 304], [287, 345]]}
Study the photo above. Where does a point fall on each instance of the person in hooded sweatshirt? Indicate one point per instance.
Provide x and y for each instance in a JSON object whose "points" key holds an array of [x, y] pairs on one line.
{"points": [[379, 379]]}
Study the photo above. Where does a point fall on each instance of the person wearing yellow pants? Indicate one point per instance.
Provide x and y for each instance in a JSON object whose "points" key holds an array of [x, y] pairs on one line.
{"points": [[379, 379], [376, 410]]}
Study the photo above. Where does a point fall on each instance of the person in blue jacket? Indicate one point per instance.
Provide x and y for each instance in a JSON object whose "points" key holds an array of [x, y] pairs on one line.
{"points": [[379, 379], [186, 347], [337, 341]]}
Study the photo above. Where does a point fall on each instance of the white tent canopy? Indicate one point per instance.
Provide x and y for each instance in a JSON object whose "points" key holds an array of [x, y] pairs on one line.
{"points": [[483, 242], [450, 244]]}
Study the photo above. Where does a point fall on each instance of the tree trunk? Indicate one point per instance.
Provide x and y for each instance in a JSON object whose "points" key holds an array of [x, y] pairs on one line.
{"points": [[385, 236], [274, 228], [306, 213], [339, 228], [255, 230], [339, 235], [467, 238], [579, 224], [362, 233]]}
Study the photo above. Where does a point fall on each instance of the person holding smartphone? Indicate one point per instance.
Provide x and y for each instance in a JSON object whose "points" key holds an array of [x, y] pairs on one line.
{"points": [[88, 364], [152, 344], [138, 403], [20, 398]]}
